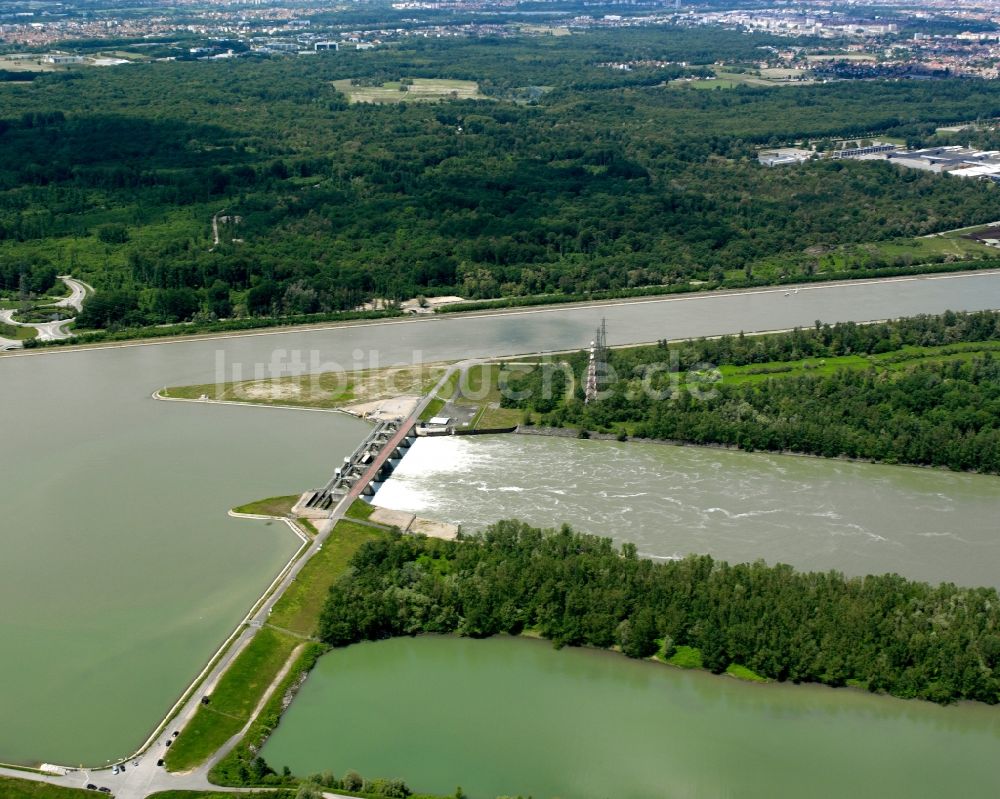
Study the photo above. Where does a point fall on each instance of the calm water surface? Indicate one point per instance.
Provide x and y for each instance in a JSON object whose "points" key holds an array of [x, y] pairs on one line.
{"points": [[120, 573], [510, 716]]}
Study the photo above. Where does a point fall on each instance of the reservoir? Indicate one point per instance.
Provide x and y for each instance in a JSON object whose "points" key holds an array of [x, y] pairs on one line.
{"points": [[120, 572], [670, 501], [506, 716]]}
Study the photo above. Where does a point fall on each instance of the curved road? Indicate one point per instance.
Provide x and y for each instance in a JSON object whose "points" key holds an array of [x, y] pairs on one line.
{"points": [[49, 331]]}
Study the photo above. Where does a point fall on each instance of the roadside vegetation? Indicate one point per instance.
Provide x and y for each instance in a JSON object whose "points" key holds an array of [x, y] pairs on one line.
{"points": [[233, 700], [934, 380], [17, 332], [753, 621], [11, 788]]}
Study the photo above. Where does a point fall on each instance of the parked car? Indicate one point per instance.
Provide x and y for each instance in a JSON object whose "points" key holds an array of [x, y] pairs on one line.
{"points": [[91, 786], [159, 762], [102, 789]]}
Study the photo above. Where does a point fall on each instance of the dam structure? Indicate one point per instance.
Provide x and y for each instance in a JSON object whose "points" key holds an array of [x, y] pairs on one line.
{"points": [[371, 463]]}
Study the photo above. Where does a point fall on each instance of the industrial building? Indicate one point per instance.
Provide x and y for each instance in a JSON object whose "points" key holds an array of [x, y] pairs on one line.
{"points": [[962, 162]]}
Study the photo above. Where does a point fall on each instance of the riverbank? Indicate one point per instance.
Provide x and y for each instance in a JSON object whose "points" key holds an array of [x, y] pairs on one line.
{"points": [[176, 337], [583, 434]]}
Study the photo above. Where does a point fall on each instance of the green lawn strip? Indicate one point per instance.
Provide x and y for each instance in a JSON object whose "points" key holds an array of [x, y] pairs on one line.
{"points": [[233, 700], [359, 509], [492, 418], [17, 332], [743, 673], [433, 408], [299, 608], [235, 768], [11, 788], [273, 506], [287, 794]]}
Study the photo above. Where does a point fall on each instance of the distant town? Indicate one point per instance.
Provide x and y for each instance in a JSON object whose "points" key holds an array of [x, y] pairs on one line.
{"points": [[824, 40]]}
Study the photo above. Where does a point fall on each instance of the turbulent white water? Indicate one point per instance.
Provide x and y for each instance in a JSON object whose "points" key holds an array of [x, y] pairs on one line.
{"points": [[670, 501]]}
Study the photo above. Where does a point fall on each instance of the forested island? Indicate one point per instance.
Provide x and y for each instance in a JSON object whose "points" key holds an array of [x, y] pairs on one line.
{"points": [[924, 390], [886, 633], [241, 191]]}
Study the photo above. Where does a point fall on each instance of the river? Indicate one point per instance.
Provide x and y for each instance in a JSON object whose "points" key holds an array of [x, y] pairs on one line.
{"points": [[670, 501], [510, 717], [121, 573]]}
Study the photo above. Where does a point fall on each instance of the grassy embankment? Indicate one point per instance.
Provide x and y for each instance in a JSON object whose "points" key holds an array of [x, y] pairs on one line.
{"points": [[292, 623], [11, 788]]}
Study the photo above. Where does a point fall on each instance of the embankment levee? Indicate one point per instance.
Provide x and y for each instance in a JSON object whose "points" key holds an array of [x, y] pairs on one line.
{"points": [[562, 305]]}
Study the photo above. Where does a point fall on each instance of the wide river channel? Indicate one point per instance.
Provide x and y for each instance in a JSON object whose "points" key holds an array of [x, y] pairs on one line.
{"points": [[813, 513], [121, 573]]}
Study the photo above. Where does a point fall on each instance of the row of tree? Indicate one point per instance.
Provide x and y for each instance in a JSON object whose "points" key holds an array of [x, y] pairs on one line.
{"points": [[894, 635]]}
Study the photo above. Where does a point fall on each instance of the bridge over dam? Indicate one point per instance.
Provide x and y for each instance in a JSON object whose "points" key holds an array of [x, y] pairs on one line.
{"points": [[372, 461]]}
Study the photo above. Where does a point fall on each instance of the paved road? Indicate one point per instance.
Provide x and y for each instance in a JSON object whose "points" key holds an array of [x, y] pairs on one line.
{"points": [[78, 291], [49, 331]]}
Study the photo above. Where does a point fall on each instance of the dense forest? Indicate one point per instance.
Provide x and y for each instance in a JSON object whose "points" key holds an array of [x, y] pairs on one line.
{"points": [[569, 178], [940, 407], [905, 638]]}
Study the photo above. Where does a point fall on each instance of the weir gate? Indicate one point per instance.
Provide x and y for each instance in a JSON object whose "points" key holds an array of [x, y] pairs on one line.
{"points": [[372, 462]]}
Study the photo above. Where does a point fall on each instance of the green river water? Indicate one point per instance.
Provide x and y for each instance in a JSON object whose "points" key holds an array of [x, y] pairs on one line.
{"points": [[508, 716]]}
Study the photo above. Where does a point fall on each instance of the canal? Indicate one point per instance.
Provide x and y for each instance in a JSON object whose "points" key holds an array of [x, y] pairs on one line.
{"points": [[121, 573], [508, 717]]}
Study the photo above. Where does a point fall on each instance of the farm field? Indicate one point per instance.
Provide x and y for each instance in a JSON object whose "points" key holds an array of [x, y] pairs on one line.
{"points": [[410, 90]]}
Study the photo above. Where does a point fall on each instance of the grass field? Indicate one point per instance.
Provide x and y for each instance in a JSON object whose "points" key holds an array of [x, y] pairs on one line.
{"points": [[17, 332], [729, 80], [25, 789], [420, 90], [233, 699], [298, 610], [359, 509]]}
